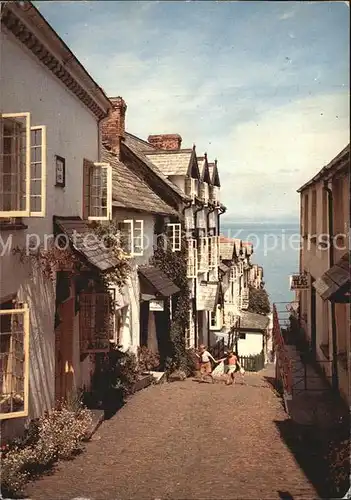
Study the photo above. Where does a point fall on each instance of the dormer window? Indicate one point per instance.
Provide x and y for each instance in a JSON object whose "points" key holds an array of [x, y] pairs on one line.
{"points": [[204, 192], [191, 187]]}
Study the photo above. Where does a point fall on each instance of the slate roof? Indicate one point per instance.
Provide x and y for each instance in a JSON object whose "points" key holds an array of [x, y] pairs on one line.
{"points": [[204, 170], [172, 162], [131, 192], [253, 321], [340, 161], [158, 280], [207, 295], [336, 279], [213, 169], [93, 250], [140, 148]]}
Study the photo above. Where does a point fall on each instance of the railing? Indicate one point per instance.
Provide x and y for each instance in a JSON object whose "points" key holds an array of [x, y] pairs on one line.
{"points": [[283, 362], [253, 363]]}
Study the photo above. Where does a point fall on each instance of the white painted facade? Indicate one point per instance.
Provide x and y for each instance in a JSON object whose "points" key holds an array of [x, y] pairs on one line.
{"points": [[72, 133], [251, 345], [129, 336]]}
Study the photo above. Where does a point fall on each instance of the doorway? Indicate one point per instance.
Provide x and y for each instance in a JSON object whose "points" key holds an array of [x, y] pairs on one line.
{"points": [[64, 331]]}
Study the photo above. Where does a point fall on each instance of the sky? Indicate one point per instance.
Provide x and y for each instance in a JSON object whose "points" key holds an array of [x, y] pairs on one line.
{"points": [[261, 86]]}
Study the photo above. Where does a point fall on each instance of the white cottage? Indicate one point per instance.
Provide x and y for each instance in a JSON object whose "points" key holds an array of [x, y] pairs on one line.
{"points": [[50, 114]]}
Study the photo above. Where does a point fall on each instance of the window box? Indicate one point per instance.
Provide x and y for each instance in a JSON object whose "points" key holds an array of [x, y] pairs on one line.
{"points": [[23, 167]]}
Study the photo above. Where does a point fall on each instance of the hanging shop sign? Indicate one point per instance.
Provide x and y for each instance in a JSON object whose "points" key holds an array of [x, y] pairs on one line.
{"points": [[156, 305], [299, 282]]}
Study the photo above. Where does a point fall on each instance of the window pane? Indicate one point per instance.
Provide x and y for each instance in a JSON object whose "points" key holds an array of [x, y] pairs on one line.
{"points": [[12, 353], [13, 161], [98, 191]]}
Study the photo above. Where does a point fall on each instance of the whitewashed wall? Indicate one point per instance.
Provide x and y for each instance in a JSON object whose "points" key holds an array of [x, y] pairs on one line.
{"points": [[149, 237], [72, 132], [251, 345]]}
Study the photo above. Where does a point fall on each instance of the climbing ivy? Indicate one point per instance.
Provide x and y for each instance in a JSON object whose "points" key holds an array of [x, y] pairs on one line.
{"points": [[110, 236], [174, 265], [259, 301]]}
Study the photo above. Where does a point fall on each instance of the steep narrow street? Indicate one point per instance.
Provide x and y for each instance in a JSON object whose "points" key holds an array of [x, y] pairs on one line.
{"points": [[186, 440]]}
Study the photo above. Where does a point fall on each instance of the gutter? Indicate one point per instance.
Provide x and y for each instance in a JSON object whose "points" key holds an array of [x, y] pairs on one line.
{"points": [[335, 380]]}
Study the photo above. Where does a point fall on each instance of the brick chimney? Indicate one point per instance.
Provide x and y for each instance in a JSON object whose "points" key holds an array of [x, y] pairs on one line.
{"points": [[113, 128], [170, 142]]}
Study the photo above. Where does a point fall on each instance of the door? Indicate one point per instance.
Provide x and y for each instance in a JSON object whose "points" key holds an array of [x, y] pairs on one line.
{"points": [[64, 344], [144, 322], [313, 318]]}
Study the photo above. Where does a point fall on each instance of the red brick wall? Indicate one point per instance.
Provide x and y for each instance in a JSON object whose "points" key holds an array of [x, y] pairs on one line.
{"points": [[113, 128], [170, 142]]}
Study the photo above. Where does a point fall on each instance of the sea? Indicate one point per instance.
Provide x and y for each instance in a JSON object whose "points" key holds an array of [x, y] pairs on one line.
{"points": [[276, 249]]}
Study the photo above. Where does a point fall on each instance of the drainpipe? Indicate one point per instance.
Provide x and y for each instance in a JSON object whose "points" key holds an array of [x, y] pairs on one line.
{"points": [[195, 283], [335, 381], [186, 206], [210, 211]]}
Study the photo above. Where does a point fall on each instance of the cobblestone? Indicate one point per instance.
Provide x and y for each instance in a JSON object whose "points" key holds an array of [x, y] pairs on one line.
{"points": [[186, 440]]}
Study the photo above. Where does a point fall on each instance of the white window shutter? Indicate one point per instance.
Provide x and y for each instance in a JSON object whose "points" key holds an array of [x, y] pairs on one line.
{"points": [[15, 174], [100, 192], [38, 171], [138, 238]]}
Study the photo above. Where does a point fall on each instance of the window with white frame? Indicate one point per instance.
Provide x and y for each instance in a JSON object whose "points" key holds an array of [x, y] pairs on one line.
{"points": [[175, 236], [203, 254], [216, 319], [213, 253], [14, 360], [190, 332], [192, 258], [97, 189], [22, 167], [233, 273], [131, 237]]}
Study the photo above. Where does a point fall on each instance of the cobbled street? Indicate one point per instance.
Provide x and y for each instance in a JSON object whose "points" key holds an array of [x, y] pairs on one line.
{"points": [[185, 440]]}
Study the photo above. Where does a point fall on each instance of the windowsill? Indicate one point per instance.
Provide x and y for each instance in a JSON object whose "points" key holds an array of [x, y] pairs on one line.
{"points": [[325, 350], [12, 226]]}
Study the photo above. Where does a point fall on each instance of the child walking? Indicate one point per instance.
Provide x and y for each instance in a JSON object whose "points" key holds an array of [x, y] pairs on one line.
{"points": [[205, 362], [231, 366]]}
